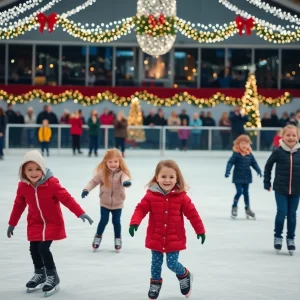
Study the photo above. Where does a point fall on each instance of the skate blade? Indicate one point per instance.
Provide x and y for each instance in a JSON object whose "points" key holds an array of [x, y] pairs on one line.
{"points": [[118, 250], [191, 284], [277, 251], [233, 217], [52, 292], [250, 218], [32, 290], [291, 252]]}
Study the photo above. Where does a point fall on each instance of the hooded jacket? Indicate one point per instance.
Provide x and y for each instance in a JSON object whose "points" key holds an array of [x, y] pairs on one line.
{"points": [[44, 220], [287, 172], [166, 232]]}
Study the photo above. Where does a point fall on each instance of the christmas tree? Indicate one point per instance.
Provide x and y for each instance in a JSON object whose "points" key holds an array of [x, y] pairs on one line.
{"points": [[135, 118], [250, 101]]}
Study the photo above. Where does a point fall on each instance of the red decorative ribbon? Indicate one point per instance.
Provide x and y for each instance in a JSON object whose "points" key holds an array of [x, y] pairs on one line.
{"points": [[49, 21], [241, 23], [153, 22]]}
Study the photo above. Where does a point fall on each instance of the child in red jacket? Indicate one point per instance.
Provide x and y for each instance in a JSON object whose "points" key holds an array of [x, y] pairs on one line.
{"points": [[166, 201], [42, 193]]}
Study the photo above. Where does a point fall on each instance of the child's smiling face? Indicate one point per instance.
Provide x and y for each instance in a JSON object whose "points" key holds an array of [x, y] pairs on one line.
{"points": [[290, 137], [33, 172], [166, 178], [244, 146]]}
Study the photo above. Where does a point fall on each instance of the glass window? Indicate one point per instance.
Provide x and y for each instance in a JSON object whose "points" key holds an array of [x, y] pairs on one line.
{"points": [[127, 66], [2, 63], [20, 64], [238, 61], [290, 69], [46, 65], [266, 68], [73, 65], [212, 67], [186, 63], [156, 70], [100, 66]]}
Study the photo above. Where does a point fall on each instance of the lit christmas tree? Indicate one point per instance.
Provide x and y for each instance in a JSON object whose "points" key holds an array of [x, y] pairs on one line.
{"points": [[250, 101], [135, 118]]}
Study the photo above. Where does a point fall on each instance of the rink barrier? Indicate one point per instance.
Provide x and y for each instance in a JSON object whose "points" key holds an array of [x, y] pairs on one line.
{"points": [[255, 134]]}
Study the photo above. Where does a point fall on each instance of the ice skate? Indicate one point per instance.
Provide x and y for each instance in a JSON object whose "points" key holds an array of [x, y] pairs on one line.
{"points": [[291, 246], [155, 287], [97, 241], [52, 284], [186, 283], [277, 244], [234, 212], [37, 281], [118, 244], [250, 214]]}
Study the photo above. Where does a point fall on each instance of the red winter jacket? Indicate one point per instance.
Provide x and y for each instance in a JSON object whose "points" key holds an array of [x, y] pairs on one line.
{"points": [[106, 119], [44, 220], [166, 231], [76, 126]]}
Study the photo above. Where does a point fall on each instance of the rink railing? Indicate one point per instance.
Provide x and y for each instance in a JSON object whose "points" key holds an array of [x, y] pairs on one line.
{"points": [[212, 134]]}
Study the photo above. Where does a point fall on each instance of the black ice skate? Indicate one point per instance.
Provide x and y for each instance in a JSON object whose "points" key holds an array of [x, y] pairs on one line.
{"points": [[186, 283], [250, 214], [118, 244], [97, 241], [155, 287], [234, 212], [277, 244], [52, 284], [37, 281], [291, 246]]}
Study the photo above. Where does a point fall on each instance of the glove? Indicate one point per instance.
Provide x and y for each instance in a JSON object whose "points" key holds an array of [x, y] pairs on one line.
{"points": [[260, 175], [84, 193], [132, 229], [267, 186], [86, 217], [202, 236], [10, 231], [227, 175], [127, 183]]}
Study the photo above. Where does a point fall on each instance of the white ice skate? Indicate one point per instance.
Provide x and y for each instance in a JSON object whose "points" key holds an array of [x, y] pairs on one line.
{"points": [[118, 245], [234, 212], [96, 242], [277, 244], [250, 215], [291, 246]]}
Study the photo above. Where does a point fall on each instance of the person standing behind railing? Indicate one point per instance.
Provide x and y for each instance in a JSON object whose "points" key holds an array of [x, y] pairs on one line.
{"points": [[44, 135], [238, 121], [30, 119], [2, 131], [196, 133], [183, 135], [94, 124], [76, 131], [173, 133], [120, 125]]}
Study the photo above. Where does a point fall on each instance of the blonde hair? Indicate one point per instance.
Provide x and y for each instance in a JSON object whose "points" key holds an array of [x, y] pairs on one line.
{"points": [[110, 154], [242, 138], [182, 186], [290, 126]]}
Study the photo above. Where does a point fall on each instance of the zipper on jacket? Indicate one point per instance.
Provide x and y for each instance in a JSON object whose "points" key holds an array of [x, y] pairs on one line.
{"points": [[112, 188], [39, 208], [291, 173]]}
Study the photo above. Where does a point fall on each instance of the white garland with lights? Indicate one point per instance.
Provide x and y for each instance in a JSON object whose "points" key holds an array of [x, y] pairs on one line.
{"points": [[78, 8], [277, 12]]}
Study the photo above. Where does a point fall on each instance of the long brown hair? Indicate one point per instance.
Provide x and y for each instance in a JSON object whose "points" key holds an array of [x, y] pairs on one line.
{"points": [[181, 184], [110, 154], [236, 144]]}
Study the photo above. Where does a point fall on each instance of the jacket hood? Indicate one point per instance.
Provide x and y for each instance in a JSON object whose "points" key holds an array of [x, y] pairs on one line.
{"points": [[288, 149], [157, 189]]}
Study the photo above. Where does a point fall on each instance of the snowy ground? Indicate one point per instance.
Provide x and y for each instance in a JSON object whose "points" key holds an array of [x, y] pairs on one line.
{"points": [[236, 262]]}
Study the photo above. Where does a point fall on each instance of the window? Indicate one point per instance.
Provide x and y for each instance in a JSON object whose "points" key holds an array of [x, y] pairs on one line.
{"points": [[239, 61], [2, 63], [185, 67], [73, 65], [290, 69], [46, 65], [100, 66], [20, 64], [266, 68], [127, 66], [212, 68]]}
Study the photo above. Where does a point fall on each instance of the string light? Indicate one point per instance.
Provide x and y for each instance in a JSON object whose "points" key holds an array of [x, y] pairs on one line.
{"points": [[78, 8]]}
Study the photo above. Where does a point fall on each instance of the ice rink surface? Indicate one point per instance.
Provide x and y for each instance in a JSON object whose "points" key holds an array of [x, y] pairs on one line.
{"points": [[237, 261]]}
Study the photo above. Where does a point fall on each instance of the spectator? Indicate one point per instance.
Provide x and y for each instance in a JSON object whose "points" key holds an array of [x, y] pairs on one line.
{"points": [[151, 134], [173, 120], [284, 119], [207, 121], [266, 135], [30, 119], [183, 135], [184, 116], [274, 120], [65, 120], [106, 118], [2, 131], [76, 131], [277, 138], [150, 119], [18, 133], [120, 125], [160, 119], [93, 124], [238, 120], [196, 133], [202, 116], [225, 134], [44, 135], [10, 114]]}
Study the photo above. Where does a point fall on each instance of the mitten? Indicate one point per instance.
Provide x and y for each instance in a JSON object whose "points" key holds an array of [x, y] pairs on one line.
{"points": [[10, 231], [86, 217], [127, 183], [84, 193], [267, 186], [260, 175], [132, 229], [227, 175], [202, 236]]}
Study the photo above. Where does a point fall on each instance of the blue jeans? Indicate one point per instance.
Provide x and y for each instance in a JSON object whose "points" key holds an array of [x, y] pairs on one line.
{"points": [[116, 220], [93, 144], [172, 263], [287, 206], [241, 189], [45, 146]]}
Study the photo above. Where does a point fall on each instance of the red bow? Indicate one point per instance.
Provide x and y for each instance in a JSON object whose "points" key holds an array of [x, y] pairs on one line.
{"points": [[241, 23], [153, 22], [50, 21]]}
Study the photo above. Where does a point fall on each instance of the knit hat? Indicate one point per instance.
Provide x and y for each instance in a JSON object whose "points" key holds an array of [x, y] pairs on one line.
{"points": [[34, 156]]}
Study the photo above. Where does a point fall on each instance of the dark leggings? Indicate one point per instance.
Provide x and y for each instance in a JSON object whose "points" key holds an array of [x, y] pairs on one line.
{"points": [[41, 255], [120, 143], [75, 142]]}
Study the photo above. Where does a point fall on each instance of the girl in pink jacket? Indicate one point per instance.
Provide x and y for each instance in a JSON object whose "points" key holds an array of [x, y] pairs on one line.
{"points": [[113, 176]]}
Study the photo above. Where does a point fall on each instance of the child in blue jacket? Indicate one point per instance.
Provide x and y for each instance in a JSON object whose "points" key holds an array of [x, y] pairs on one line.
{"points": [[242, 159]]}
